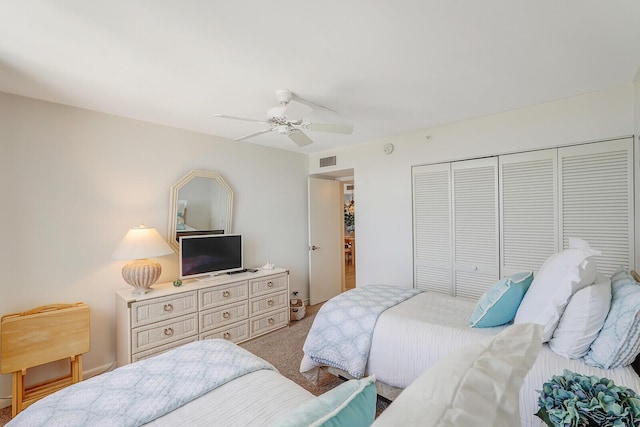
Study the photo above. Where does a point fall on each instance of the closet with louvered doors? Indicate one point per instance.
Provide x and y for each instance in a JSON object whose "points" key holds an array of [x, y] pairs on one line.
{"points": [[597, 203], [528, 210], [475, 226], [432, 243], [539, 199], [456, 226]]}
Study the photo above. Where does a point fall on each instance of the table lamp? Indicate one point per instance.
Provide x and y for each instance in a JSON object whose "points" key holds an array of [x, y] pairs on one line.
{"points": [[140, 244]]}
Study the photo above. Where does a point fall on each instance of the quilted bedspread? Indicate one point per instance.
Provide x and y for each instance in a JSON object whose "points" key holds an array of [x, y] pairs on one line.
{"points": [[138, 393], [343, 328]]}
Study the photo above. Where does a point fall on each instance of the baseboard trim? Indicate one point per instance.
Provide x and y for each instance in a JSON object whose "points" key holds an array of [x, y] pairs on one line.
{"points": [[99, 370], [5, 402]]}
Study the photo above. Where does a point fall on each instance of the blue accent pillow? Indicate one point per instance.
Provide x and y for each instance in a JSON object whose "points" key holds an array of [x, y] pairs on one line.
{"points": [[618, 342], [351, 404], [500, 303]]}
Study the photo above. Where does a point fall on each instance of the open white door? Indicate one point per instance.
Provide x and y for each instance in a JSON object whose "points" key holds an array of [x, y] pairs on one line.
{"points": [[326, 248]]}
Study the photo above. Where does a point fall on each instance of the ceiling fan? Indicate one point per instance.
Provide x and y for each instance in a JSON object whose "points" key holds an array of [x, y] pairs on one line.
{"points": [[287, 120]]}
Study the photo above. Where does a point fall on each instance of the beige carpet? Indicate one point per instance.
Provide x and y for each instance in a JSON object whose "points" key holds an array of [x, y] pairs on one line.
{"points": [[283, 349], [5, 415]]}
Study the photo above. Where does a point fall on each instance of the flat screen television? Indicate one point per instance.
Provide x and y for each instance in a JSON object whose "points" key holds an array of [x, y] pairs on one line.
{"points": [[196, 233], [210, 254]]}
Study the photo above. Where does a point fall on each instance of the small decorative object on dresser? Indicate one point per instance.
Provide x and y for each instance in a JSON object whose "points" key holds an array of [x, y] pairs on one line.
{"points": [[140, 244], [234, 307]]}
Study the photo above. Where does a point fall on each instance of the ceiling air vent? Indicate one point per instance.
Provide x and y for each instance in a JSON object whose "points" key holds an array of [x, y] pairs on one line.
{"points": [[349, 187], [328, 161]]}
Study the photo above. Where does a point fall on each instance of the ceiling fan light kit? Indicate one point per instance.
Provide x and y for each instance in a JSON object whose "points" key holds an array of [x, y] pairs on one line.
{"points": [[287, 120], [284, 130]]}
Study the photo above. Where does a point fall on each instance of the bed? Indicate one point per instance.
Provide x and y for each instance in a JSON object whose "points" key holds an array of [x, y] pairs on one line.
{"points": [[412, 335], [201, 383]]}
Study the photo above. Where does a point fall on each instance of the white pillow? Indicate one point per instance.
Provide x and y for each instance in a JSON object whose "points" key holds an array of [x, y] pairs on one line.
{"points": [[618, 343], [561, 275], [478, 385], [582, 319]]}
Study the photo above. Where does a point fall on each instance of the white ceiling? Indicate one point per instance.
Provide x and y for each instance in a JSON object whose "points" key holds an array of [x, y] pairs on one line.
{"points": [[389, 67]]}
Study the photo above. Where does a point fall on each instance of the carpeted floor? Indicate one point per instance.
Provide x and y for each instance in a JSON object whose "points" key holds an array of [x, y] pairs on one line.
{"points": [[283, 349], [5, 415]]}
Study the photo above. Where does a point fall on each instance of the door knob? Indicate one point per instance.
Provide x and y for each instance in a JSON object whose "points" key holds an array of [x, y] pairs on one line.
{"points": [[314, 247]]}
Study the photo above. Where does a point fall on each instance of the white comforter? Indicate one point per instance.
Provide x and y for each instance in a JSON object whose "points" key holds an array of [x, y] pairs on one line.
{"points": [[415, 334], [257, 399]]}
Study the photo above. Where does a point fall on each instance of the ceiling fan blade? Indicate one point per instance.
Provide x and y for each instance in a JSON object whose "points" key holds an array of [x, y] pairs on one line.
{"points": [[295, 97], [251, 135], [299, 138], [222, 116], [295, 110], [329, 127]]}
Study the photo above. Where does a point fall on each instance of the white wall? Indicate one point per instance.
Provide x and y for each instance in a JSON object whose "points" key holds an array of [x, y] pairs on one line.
{"points": [[637, 101], [74, 181], [383, 182]]}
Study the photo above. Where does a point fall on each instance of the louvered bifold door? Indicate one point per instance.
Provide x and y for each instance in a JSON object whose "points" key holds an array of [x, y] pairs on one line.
{"points": [[528, 210], [596, 200], [432, 228], [475, 225]]}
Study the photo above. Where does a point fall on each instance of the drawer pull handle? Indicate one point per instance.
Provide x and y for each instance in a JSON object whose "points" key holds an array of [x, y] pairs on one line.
{"points": [[269, 284], [168, 331], [168, 308], [226, 315], [225, 294], [270, 320], [269, 302], [226, 335]]}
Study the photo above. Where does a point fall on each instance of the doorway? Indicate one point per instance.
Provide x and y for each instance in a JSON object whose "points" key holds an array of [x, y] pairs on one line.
{"points": [[349, 270], [340, 273]]}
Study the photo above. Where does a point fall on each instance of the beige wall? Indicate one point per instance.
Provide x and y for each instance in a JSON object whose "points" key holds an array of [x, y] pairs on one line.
{"points": [[383, 182], [73, 181]]}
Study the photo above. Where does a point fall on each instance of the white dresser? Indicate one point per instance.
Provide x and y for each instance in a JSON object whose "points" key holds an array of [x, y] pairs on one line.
{"points": [[236, 307]]}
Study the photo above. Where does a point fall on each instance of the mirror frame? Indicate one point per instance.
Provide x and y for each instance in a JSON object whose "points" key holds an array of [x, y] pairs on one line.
{"points": [[173, 201]]}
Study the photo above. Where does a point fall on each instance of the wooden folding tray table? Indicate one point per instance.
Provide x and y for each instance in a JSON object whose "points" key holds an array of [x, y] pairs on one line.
{"points": [[42, 335]]}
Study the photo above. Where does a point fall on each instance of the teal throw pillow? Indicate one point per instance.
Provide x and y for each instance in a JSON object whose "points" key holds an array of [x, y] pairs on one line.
{"points": [[351, 404], [500, 303]]}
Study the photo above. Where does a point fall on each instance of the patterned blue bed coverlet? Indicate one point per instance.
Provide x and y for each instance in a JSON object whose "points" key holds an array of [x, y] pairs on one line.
{"points": [[138, 393], [342, 331]]}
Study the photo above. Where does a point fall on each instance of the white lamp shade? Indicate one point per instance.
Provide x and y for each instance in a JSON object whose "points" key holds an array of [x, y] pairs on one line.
{"points": [[142, 242]]}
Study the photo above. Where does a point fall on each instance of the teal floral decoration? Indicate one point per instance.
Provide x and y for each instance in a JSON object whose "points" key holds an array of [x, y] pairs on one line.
{"points": [[574, 400]]}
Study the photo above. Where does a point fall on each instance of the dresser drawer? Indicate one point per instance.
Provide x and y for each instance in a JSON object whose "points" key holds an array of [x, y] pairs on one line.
{"points": [[268, 284], [217, 317], [150, 336], [156, 309], [268, 322], [221, 295], [268, 303], [236, 332], [161, 349]]}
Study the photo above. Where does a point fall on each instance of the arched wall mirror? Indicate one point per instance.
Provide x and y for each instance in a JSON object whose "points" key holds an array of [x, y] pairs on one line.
{"points": [[201, 202]]}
